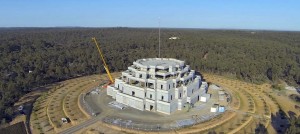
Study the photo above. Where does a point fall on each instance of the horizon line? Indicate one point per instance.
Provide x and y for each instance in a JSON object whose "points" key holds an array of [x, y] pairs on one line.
{"points": [[233, 29]]}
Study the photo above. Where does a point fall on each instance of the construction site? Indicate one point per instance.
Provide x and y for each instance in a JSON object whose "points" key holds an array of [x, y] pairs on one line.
{"points": [[155, 95], [178, 98], [149, 67]]}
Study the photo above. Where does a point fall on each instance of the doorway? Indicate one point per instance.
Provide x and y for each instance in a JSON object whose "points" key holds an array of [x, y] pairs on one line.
{"points": [[151, 107]]}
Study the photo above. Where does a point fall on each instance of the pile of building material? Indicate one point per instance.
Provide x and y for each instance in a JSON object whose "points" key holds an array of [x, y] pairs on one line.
{"points": [[221, 95], [205, 97], [217, 108], [117, 105], [185, 122], [221, 109], [214, 108]]}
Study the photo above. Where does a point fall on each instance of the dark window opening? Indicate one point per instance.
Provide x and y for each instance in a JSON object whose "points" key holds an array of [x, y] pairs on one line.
{"points": [[145, 94], [168, 76], [179, 95], [198, 98], [171, 97], [150, 96], [135, 82], [132, 93], [162, 97], [159, 77], [161, 86], [150, 85], [169, 86], [151, 107]]}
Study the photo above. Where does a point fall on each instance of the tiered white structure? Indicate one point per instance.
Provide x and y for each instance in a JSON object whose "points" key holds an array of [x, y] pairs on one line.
{"points": [[158, 84]]}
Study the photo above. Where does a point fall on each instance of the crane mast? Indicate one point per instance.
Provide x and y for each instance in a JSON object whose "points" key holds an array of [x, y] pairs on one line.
{"points": [[104, 63]]}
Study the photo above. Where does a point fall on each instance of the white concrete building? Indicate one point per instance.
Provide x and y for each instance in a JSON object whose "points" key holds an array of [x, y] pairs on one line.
{"points": [[214, 108], [158, 84]]}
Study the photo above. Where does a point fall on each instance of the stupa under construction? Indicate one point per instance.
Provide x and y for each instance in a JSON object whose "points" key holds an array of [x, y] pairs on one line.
{"points": [[158, 84]]}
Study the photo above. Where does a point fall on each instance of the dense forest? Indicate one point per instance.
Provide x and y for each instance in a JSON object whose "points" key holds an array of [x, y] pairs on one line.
{"points": [[32, 57]]}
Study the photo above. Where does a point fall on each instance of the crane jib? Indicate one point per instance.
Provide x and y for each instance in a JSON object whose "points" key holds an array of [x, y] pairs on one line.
{"points": [[102, 57]]}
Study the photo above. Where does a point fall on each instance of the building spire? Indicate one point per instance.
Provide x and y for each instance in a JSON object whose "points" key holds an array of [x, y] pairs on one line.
{"points": [[158, 37]]}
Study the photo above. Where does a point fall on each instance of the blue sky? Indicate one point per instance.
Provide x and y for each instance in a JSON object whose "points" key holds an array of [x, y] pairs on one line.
{"points": [[229, 14]]}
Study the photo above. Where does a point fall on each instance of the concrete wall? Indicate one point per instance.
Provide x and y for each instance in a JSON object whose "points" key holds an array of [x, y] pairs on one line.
{"points": [[163, 107], [180, 103], [119, 84], [174, 106], [194, 97], [138, 92], [178, 91], [167, 108], [130, 101], [165, 84], [160, 93], [193, 87], [149, 93], [111, 92], [171, 95], [149, 103]]}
